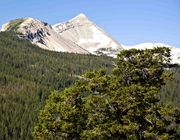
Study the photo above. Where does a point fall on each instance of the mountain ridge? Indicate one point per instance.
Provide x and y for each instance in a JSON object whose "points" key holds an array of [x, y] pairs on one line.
{"points": [[77, 35]]}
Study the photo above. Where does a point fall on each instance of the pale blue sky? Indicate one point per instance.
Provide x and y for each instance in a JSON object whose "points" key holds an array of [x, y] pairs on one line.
{"points": [[128, 21]]}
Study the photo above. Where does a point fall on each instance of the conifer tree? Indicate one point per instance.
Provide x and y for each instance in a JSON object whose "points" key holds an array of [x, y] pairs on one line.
{"points": [[120, 105]]}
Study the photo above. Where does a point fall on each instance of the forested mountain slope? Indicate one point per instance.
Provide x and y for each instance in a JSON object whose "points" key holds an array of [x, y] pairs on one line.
{"points": [[170, 93], [28, 74]]}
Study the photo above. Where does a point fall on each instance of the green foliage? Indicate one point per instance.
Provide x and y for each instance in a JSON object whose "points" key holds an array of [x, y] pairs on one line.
{"points": [[27, 75], [170, 93], [120, 105], [14, 25]]}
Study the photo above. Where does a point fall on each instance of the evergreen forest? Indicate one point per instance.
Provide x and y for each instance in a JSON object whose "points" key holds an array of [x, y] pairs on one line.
{"points": [[28, 74]]}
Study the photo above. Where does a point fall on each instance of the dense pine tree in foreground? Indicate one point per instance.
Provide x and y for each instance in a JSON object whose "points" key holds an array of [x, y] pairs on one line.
{"points": [[120, 105]]}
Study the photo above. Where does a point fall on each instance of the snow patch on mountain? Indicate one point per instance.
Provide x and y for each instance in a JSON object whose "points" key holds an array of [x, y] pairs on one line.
{"points": [[175, 52], [4, 27]]}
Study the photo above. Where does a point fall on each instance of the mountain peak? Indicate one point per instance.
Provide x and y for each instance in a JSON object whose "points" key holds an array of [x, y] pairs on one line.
{"points": [[88, 35], [80, 16]]}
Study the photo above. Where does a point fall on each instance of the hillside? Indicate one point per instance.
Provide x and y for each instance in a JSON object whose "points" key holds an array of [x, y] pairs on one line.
{"points": [[28, 74]]}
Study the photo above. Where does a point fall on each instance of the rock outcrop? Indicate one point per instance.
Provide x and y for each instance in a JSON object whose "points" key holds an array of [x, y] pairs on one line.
{"points": [[43, 35]]}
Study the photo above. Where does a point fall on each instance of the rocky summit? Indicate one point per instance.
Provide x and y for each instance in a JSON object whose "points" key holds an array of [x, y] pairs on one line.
{"points": [[88, 35]]}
